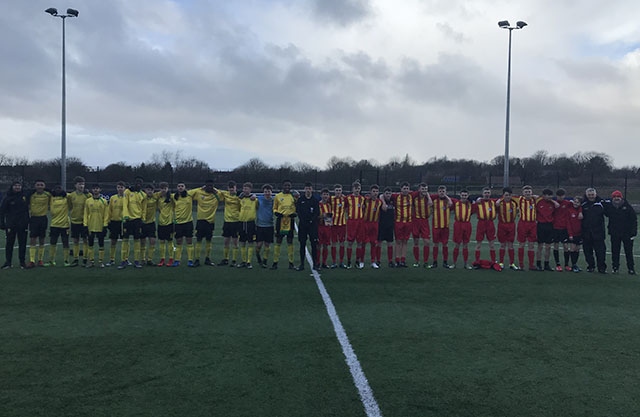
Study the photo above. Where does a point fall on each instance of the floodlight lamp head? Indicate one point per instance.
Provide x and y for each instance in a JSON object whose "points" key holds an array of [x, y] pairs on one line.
{"points": [[521, 24], [52, 11], [74, 13], [504, 24]]}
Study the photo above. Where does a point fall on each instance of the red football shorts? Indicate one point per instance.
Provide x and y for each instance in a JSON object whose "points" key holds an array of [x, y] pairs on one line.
{"points": [[527, 232], [370, 232], [441, 235], [461, 232], [485, 228], [420, 228], [355, 230], [506, 232], [324, 234], [403, 230], [338, 233]]}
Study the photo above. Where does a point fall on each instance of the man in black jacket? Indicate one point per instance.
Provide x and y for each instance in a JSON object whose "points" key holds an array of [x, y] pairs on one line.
{"points": [[593, 233], [623, 227], [14, 218], [308, 210]]}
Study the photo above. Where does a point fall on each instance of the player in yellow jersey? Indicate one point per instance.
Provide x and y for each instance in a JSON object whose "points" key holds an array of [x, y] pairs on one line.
{"points": [[183, 201], [166, 218], [231, 226], [77, 198], [207, 201], [39, 201], [284, 208], [96, 220], [149, 226], [248, 213], [59, 209], [116, 205], [132, 212]]}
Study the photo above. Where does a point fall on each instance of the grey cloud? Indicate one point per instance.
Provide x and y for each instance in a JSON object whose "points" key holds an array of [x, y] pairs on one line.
{"points": [[342, 12], [448, 31], [366, 67]]}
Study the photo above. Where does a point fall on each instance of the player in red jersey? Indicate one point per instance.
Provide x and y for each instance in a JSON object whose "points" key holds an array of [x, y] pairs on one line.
{"points": [[422, 204], [507, 212], [324, 227], [462, 228], [545, 208], [372, 205], [355, 228], [574, 231], [339, 226], [403, 204], [485, 210], [441, 209], [560, 235]]}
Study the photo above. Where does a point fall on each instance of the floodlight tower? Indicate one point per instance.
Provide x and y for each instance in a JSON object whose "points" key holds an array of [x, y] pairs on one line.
{"points": [[504, 24], [63, 155]]}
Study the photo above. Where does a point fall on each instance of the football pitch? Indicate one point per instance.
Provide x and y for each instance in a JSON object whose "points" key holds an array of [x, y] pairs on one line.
{"points": [[221, 341]]}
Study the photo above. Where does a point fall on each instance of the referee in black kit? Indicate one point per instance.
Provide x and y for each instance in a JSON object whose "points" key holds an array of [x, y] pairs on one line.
{"points": [[308, 211]]}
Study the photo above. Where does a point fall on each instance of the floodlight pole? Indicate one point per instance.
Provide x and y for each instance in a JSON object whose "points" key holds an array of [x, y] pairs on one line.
{"points": [[63, 152], [505, 25]]}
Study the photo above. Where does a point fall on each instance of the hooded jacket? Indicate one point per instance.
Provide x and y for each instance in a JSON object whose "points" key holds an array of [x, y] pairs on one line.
{"points": [[14, 210], [623, 221]]}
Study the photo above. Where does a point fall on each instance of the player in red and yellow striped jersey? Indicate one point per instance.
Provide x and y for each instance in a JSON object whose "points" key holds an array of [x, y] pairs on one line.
{"points": [[507, 212], [355, 230], [339, 226], [527, 233], [485, 210], [403, 204], [372, 206], [420, 224], [324, 227], [462, 227], [440, 224]]}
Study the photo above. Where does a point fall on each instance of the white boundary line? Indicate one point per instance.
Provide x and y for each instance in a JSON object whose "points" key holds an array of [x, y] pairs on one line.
{"points": [[371, 407]]}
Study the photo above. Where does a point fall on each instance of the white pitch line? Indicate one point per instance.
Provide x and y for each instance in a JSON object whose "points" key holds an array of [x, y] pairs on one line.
{"points": [[360, 380]]}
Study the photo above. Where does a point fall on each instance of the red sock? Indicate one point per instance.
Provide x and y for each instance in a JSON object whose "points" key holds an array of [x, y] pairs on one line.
{"points": [[465, 255], [435, 254], [532, 257], [492, 253], [390, 253], [425, 251], [341, 254], [445, 253], [325, 255], [521, 257], [349, 254], [456, 252], [502, 252], [333, 254], [416, 253], [477, 255], [512, 255]]}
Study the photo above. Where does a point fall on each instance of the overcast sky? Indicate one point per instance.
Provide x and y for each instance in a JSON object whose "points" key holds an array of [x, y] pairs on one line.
{"points": [[304, 80]]}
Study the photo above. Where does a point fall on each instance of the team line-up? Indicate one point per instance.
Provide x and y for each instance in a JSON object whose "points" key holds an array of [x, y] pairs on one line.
{"points": [[333, 223]]}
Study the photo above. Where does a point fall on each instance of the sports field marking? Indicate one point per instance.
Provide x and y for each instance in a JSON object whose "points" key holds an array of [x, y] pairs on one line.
{"points": [[362, 384]]}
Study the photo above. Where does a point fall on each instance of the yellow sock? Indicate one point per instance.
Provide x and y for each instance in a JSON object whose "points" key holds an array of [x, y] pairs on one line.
{"points": [[101, 255], [41, 252], [190, 252], [86, 248], [290, 252], [276, 252], [243, 253], [234, 254], [52, 253], [197, 248], [207, 248], [124, 255], [267, 252], [226, 252], [137, 250], [249, 254], [163, 248], [76, 250], [151, 251], [89, 253], [32, 253], [65, 254]]}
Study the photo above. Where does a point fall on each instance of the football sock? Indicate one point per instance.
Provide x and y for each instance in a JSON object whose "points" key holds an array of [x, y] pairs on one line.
{"points": [[124, 250], [225, 252], [136, 250], [32, 253], [198, 248], [276, 252], [249, 254], [190, 251], [290, 252], [207, 249]]}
